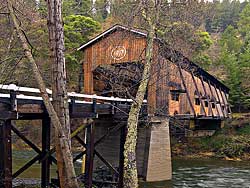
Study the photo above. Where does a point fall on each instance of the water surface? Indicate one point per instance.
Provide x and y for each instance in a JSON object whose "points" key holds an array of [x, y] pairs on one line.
{"points": [[187, 173], [206, 174]]}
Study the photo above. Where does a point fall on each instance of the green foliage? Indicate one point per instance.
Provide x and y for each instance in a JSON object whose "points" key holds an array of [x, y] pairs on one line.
{"points": [[230, 40], [225, 13], [75, 7], [244, 22], [77, 30], [235, 55], [204, 40], [202, 59], [233, 145]]}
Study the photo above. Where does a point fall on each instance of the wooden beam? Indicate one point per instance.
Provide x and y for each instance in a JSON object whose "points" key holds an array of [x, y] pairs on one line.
{"points": [[6, 154], [27, 141], [7, 115], [225, 107], [205, 91], [219, 102], [121, 159], [112, 130], [53, 150], [98, 155], [229, 108], [196, 87], [185, 87], [209, 84], [89, 156], [106, 162], [2, 140], [26, 166], [45, 170]]}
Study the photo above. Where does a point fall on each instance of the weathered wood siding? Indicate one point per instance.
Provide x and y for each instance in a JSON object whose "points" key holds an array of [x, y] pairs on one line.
{"points": [[165, 76], [101, 53]]}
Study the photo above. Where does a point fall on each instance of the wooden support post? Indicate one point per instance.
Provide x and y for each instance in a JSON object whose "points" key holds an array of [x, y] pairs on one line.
{"points": [[205, 91], [196, 87], [121, 160], [209, 84], [219, 102], [2, 152], [229, 108], [6, 154], [89, 156], [223, 100], [45, 170], [185, 87]]}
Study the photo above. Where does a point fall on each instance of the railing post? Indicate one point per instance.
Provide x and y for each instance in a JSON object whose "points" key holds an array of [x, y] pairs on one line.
{"points": [[94, 107]]}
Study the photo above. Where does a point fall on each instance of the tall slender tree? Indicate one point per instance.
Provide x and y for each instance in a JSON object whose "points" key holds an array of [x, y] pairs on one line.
{"points": [[63, 140], [59, 90], [150, 12]]}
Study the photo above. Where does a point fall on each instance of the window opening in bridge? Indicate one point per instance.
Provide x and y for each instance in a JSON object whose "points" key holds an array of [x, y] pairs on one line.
{"points": [[206, 103], [197, 101], [213, 105], [175, 96]]}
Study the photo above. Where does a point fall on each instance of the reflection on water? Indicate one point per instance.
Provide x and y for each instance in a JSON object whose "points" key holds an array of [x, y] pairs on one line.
{"points": [[207, 173], [186, 173], [22, 157]]}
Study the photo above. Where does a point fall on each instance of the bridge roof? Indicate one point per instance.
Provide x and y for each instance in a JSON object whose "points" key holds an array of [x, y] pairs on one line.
{"points": [[169, 54]]}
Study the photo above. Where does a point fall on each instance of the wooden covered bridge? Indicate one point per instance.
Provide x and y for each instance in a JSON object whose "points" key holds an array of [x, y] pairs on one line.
{"points": [[112, 67]]}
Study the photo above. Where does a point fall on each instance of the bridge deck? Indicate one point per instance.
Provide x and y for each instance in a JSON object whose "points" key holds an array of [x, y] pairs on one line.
{"points": [[27, 104]]}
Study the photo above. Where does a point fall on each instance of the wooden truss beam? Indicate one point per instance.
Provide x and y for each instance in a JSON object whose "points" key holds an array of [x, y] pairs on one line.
{"points": [[223, 100], [185, 87], [223, 113], [211, 91], [197, 89], [205, 91]]}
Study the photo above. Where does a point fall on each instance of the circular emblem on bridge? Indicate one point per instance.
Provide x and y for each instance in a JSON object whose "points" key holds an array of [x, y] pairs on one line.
{"points": [[118, 52]]}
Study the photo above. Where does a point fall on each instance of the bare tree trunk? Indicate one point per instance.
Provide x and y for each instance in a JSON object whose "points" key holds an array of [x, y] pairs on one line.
{"points": [[63, 139], [58, 80], [151, 15], [130, 169]]}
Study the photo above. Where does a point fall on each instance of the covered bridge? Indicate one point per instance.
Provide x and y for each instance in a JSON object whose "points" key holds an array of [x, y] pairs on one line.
{"points": [[113, 63], [178, 88]]}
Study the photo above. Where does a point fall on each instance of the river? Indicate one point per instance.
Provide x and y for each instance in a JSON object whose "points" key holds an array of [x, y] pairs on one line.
{"points": [[187, 173]]}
